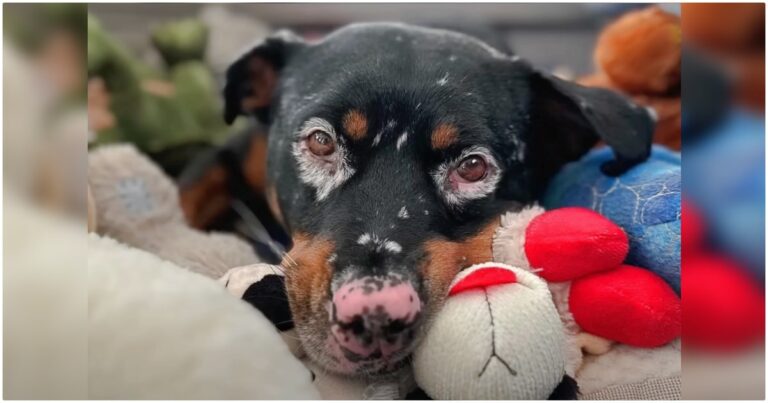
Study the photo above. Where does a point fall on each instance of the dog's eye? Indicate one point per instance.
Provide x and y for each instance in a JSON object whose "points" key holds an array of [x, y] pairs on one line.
{"points": [[472, 168], [321, 143]]}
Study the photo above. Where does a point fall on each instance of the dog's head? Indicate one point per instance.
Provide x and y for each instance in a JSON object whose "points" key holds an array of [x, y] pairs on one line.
{"points": [[393, 149]]}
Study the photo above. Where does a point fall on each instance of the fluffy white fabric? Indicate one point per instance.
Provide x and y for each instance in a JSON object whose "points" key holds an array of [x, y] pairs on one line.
{"points": [[158, 331], [45, 305], [509, 239], [624, 364]]}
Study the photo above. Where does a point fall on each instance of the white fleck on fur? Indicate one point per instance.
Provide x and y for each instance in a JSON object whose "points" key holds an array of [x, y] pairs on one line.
{"points": [[441, 82], [401, 140], [403, 213], [470, 191], [519, 152], [322, 173], [364, 239], [377, 139], [452, 58], [651, 112], [380, 243], [393, 247]]}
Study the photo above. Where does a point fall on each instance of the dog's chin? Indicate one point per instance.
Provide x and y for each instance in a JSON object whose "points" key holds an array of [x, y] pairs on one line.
{"points": [[332, 357]]}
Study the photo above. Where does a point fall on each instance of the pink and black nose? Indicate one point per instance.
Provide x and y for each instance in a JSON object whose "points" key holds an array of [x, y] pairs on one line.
{"points": [[374, 317]]}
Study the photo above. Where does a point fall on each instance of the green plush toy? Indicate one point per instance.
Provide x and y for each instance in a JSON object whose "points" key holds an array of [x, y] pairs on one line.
{"points": [[170, 114]]}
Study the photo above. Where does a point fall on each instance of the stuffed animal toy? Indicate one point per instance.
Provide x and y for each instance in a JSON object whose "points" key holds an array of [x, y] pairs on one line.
{"points": [[158, 331], [735, 35], [498, 336], [166, 114], [731, 200], [644, 202], [639, 55], [600, 300], [576, 253], [640, 51], [134, 202], [718, 290]]}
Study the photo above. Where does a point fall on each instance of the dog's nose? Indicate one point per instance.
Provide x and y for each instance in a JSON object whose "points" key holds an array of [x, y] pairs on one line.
{"points": [[374, 317]]}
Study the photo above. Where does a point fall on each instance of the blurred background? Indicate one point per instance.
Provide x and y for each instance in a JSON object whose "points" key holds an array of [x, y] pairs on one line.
{"points": [[550, 35], [149, 75]]}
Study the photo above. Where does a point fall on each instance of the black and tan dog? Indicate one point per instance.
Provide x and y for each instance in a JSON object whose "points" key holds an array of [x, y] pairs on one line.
{"points": [[393, 149]]}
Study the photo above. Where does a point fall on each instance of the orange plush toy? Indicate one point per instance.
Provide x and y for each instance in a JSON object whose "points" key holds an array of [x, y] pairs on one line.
{"points": [[639, 55], [735, 35]]}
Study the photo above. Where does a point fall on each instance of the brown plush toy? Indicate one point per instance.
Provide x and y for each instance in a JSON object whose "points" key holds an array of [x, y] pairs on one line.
{"points": [[735, 35], [639, 55], [640, 52]]}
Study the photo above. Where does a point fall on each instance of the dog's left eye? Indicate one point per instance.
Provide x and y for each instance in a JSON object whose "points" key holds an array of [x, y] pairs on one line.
{"points": [[321, 143], [472, 168]]}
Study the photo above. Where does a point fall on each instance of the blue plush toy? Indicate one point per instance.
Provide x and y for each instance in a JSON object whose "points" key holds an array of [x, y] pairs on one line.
{"points": [[725, 179], [644, 201]]}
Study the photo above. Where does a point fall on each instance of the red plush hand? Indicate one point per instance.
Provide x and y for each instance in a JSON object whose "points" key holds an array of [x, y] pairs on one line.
{"points": [[571, 242], [630, 305], [618, 302]]}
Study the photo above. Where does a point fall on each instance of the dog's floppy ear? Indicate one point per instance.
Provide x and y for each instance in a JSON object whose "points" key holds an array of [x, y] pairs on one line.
{"points": [[251, 80], [568, 119]]}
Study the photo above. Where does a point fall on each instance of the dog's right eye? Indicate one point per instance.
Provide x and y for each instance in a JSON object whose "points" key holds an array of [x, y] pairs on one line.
{"points": [[321, 143]]}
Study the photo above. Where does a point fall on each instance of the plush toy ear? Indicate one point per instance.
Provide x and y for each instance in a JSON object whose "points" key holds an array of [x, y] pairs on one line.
{"points": [[568, 119], [568, 389], [251, 80]]}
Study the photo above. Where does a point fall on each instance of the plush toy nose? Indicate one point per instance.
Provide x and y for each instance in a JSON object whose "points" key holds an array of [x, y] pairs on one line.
{"points": [[374, 317]]}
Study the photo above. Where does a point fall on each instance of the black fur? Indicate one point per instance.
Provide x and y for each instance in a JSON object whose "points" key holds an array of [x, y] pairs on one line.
{"points": [[406, 78]]}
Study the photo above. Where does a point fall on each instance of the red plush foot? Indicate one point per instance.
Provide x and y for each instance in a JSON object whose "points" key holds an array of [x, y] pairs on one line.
{"points": [[629, 305], [570, 242], [724, 308]]}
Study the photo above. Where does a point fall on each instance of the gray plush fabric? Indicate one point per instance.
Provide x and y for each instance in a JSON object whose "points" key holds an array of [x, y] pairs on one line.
{"points": [[652, 389]]}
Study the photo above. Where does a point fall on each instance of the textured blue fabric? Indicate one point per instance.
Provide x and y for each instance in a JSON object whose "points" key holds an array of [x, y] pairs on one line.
{"points": [[725, 179], [644, 201]]}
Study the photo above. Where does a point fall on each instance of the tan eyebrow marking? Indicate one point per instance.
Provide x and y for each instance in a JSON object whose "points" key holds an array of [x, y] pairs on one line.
{"points": [[355, 124], [444, 135]]}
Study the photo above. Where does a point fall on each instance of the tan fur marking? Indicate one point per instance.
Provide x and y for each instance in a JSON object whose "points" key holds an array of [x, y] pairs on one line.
{"points": [[444, 136], [355, 124], [206, 199], [445, 259], [308, 275], [274, 204], [255, 164]]}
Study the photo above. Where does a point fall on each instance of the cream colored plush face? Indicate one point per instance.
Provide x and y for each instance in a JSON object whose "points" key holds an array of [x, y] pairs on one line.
{"points": [[500, 342]]}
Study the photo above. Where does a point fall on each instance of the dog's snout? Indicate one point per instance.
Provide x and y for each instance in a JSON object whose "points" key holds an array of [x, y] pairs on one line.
{"points": [[375, 317]]}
